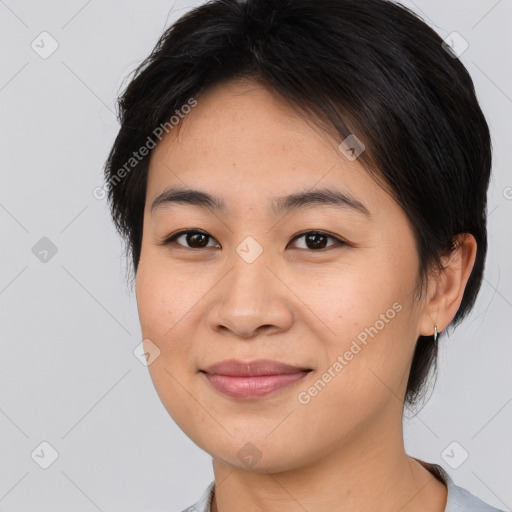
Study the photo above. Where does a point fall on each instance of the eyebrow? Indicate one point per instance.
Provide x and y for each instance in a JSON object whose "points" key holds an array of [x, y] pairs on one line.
{"points": [[284, 204]]}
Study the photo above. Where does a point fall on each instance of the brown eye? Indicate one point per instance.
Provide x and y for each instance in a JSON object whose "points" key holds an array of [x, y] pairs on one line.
{"points": [[317, 240], [191, 239], [194, 239], [197, 239]]}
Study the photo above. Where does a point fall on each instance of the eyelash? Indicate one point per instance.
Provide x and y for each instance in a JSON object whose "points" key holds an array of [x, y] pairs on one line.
{"points": [[171, 240]]}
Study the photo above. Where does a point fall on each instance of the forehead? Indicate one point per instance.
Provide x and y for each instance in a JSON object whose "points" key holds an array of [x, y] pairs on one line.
{"points": [[242, 141]]}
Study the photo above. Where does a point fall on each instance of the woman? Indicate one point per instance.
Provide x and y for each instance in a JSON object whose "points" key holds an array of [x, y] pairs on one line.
{"points": [[302, 188]]}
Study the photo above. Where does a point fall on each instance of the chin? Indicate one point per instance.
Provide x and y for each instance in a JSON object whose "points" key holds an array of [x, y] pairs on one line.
{"points": [[257, 457]]}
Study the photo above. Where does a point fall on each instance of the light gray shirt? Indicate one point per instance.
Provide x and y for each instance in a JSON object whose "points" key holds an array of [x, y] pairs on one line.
{"points": [[458, 499]]}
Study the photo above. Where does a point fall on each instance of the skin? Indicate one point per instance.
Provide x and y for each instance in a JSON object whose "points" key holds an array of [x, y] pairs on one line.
{"points": [[303, 306]]}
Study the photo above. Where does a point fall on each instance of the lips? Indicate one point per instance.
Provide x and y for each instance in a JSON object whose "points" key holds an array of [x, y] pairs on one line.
{"points": [[236, 368], [254, 379]]}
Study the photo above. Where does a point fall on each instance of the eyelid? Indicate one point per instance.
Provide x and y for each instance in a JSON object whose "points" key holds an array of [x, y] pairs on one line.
{"points": [[172, 239], [339, 241]]}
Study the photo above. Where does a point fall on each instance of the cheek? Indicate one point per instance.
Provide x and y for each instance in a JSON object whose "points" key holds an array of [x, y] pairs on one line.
{"points": [[352, 296], [366, 324], [154, 302], [163, 305], [164, 297]]}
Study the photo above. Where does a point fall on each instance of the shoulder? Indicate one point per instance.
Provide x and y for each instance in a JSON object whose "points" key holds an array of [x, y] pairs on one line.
{"points": [[203, 505], [460, 499]]}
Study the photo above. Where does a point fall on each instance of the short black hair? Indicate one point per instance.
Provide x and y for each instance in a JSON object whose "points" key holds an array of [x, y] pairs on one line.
{"points": [[371, 68]]}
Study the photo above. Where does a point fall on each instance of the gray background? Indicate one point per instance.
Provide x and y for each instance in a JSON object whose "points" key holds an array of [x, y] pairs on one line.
{"points": [[68, 375]]}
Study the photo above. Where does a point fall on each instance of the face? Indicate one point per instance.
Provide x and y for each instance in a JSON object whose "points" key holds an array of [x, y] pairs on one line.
{"points": [[323, 285]]}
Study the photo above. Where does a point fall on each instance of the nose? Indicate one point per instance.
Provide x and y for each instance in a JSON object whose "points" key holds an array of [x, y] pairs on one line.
{"points": [[251, 300]]}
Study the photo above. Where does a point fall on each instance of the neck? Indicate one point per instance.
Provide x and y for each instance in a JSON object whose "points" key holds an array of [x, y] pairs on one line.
{"points": [[370, 471]]}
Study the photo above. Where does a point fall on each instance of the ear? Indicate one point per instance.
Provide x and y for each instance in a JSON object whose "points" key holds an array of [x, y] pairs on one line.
{"points": [[446, 287]]}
